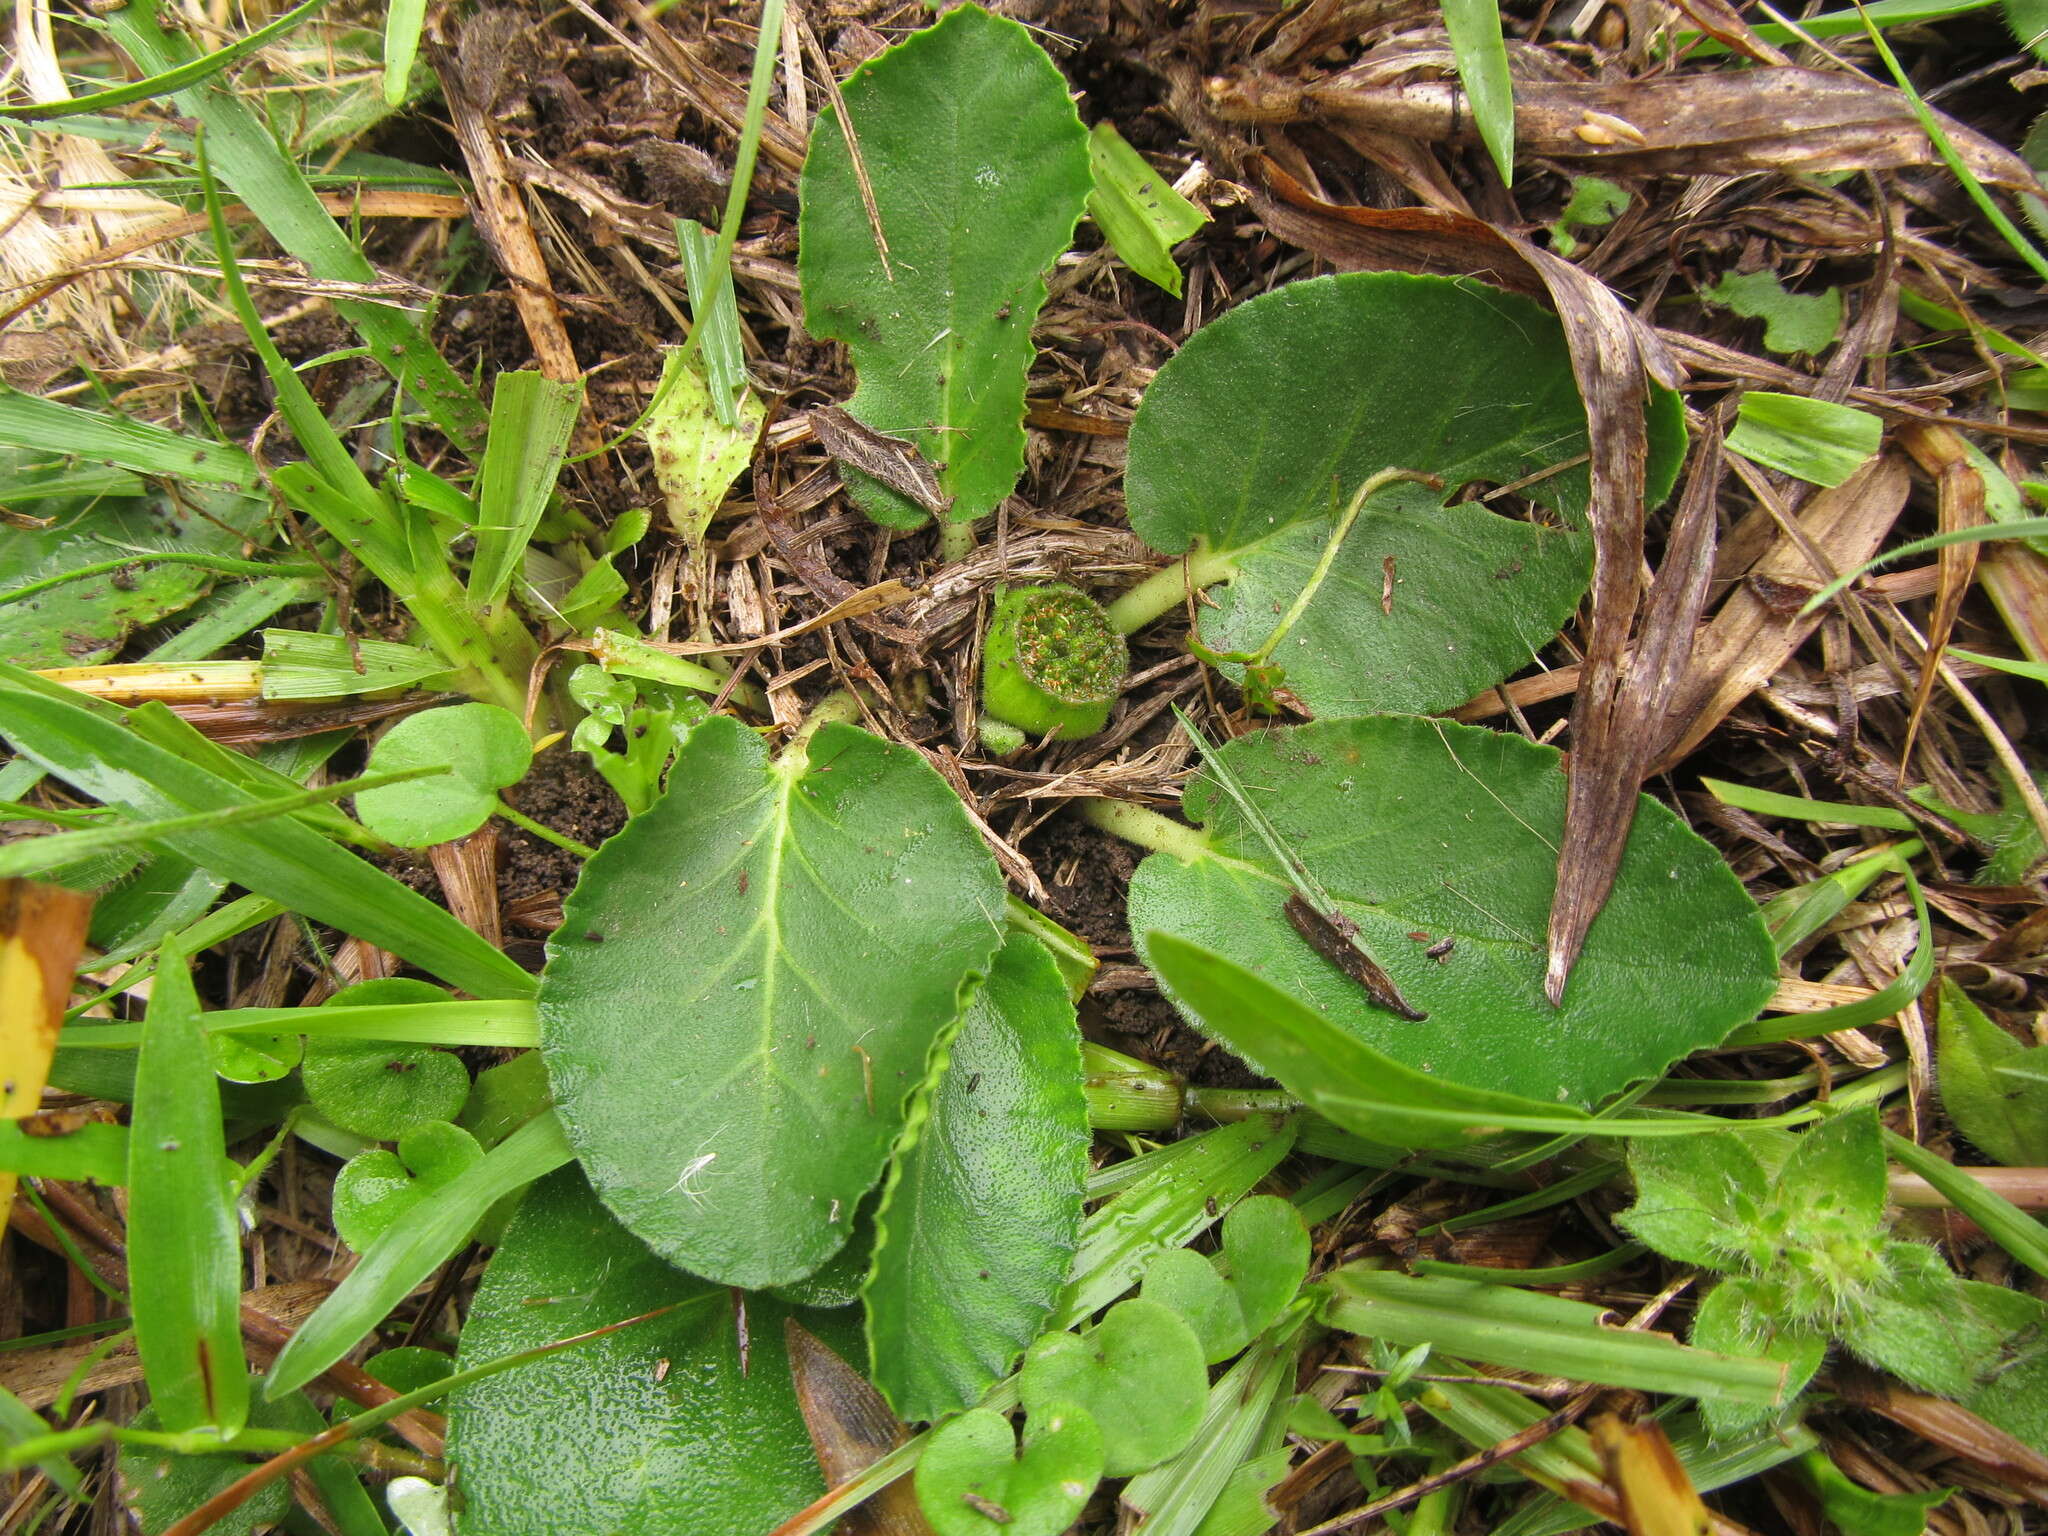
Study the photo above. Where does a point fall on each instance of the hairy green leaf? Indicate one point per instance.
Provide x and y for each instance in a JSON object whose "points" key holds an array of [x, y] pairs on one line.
{"points": [[979, 168], [1793, 322], [979, 1218], [2005, 1115], [734, 1012]]}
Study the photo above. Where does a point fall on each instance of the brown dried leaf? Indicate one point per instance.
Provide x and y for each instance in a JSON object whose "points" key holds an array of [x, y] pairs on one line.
{"points": [[892, 460], [1959, 503], [851, 1428], [1951, 1426], [1722, 123], [1759, 626]]}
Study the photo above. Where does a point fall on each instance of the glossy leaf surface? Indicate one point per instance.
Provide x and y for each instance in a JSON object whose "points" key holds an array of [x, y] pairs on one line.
{"points": [[973, 1481], [979, 168], [747, 985], [653, 1431], [182, 1231], [978, 1221], [1424, 832]]}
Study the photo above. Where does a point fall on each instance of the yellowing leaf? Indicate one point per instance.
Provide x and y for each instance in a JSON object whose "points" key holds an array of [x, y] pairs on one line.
{"points": [[42, 931]]}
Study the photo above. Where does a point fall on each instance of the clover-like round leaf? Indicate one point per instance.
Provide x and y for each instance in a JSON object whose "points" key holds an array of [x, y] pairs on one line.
{"points": [[978, 1222], [657, 1430], [1424, 832], [1230, 1300], [1270, 419], [971, 1480], [747, 985], [483, 747], [1139, 1373], [375, 1189], [253, 1058], [161, 1486]]}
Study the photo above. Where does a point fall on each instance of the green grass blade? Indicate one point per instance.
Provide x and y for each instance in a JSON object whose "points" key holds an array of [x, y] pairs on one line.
{"points": [[413, 1249], [1482, 57], [93, 1151], [531, 419], [403, 22], [2010, 1227], [1825, 812], [184, 76], [19, 1422], [282, 860], [1982, 533], [509, 1023], [184, 1247], [53, 427], [273, 187], [1527, 1330], [39, 855], [309, 424]]}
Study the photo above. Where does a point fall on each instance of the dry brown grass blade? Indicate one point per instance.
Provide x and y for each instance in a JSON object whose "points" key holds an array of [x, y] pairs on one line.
{"points": [[1723, 23], [894, 461], [1759, 626], [1959, 499], [1657, 1497], [1952, 1427], [1721, 123], [2016, 579], [468, 70], [851, 1428]]}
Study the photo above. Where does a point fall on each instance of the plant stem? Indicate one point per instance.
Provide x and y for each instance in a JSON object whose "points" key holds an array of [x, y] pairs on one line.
{"points": [[1335, 542], [839, 707], [545, 834], [956, 540], [1148, 829], [1165, 590]]}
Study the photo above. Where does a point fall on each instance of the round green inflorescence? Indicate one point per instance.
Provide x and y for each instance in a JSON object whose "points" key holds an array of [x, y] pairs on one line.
{"points": [[1051, 662]]}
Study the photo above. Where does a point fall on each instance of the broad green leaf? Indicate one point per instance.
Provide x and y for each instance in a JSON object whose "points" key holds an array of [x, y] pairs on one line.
{"points": [[979, 167], [412, 1250], [1835, 1178], [1738, 1317], [377, 1189], [1697, 1199], [184, 1245], [1139, 1373], [1423, 832], [2005, 1115], [531, 419], [1793, 322], [973, 1481], [485, 747], [1243, 1422], [1473, 597], [84, 621], [747, 985], [979, 1218], [1236, 449], [88, 747], [1812, 440], [1236, 439], [696, 459], [1140, 214], [663, 1429]]}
